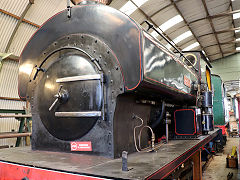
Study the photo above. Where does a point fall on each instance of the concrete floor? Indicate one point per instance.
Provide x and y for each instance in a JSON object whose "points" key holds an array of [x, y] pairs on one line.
{"points": [[216, 169]]}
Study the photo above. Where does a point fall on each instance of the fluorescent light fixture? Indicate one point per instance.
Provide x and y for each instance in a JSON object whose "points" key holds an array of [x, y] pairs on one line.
{"points": [[236, 15], [182, 37], [128, 8], [171, 22], [238, 39], [236, 31], [238, 48], [196, 44], [168, 46], [154, 34], [139, 2], [5, 55]]}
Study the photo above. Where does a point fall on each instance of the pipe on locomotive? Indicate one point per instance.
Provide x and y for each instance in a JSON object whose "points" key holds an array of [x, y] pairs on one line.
{"points": [[151, 26], [140, 133], [158, 121]]}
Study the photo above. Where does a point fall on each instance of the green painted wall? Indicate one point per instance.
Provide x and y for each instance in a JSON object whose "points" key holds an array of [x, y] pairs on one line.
{"points": [[228, 68]]}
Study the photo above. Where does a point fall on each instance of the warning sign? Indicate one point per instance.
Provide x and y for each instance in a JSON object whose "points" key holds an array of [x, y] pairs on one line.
{"points": [[81, 146]]}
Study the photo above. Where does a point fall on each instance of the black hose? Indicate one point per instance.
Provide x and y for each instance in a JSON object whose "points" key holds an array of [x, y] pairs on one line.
{"points": [[158, 121]]}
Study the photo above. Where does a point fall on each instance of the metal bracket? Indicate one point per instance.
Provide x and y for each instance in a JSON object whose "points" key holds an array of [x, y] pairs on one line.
{"points": [[38, 69], [68, 9], [79, 114], [57, 50], [95, 61], [79, 78]]}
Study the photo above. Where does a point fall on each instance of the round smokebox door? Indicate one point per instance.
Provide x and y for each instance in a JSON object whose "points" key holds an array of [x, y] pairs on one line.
{"points": [[70, 97]]}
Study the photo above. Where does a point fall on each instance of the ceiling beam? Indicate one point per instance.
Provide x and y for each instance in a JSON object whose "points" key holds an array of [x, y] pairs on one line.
{"points": [[223, 43], [220, 32], [213, 28], [224, 14], [228, 13], [180, 13], [158, 11], [231, 8], [18, 25], [13, 58], [226, 52], [230, 42], [228, 30], [211, 45], [17, 17], [217, 32], [150, 19], [172, 3], [214, 54]]}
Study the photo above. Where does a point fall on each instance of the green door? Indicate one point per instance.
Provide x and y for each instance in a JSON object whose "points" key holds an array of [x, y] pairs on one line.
{"points": [[218, 100]]}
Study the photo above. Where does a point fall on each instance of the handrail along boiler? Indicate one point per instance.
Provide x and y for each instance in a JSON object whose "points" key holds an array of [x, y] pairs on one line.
{"points": [[92, 74]]}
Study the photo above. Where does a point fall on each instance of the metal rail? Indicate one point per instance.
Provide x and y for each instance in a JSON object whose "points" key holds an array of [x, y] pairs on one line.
{"points": [[14, 135], [79, 114], [55, 51], [79, 78], [16, 116], [150, 26]]}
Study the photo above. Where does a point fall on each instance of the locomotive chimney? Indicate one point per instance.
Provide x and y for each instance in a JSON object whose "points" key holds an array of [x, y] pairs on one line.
{"points": [[78, 2]]}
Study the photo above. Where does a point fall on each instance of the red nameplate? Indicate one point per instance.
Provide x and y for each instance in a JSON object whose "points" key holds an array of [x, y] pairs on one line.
{"points": [[187, 81], [81, 146]]}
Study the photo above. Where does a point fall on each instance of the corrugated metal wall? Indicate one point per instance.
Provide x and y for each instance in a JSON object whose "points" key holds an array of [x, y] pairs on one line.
{"points": [[42, 10], [5, 33], [14, 7], [21, 38], [8, 23], [9, 88], [38, 13], [9, 79]]}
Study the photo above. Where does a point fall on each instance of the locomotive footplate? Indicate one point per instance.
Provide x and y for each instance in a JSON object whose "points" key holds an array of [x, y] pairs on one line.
{"points": [[17, 163]]}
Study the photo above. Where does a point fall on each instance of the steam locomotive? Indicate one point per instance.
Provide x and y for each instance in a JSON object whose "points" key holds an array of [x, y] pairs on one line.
{"points": [[100, 84]]}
